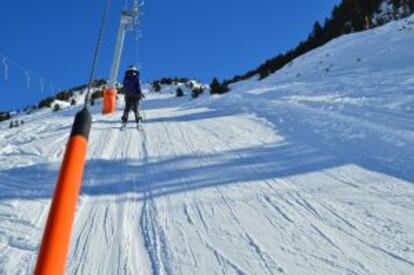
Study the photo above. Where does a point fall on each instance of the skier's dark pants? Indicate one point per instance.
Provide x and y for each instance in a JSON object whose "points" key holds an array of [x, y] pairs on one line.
{"points": [[131, 103]]}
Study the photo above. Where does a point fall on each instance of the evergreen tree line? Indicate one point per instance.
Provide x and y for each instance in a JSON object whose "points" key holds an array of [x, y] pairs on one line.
{"points": [[195, 91], [157, 84], [4, 116], [349, 16], [218, 88], [16, 123], [65, 95]]}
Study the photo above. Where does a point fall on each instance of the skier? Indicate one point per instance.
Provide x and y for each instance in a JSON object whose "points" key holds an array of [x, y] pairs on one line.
{"points": [[133, 94]]}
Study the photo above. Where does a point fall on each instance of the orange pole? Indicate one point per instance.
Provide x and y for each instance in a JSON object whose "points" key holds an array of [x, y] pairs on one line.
{"points": [[109, 101], [56, 238]]}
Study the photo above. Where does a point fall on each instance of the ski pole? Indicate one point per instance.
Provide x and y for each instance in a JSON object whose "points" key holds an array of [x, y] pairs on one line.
{"points": [[56, 238]]}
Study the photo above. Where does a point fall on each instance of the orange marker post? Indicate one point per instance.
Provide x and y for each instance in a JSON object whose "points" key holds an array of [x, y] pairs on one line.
{"points": [[109, 101], [56, 238]]}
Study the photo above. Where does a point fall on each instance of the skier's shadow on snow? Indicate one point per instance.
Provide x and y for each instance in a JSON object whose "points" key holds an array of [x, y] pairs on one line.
{"points": [[175, 175]]}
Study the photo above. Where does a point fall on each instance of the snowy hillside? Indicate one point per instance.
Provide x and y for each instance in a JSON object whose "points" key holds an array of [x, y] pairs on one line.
{"points": [[309, 171]]}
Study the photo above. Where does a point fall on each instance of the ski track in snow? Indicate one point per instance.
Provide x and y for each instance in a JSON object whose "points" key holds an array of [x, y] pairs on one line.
{"points": [[289, 175], [187, 193]]}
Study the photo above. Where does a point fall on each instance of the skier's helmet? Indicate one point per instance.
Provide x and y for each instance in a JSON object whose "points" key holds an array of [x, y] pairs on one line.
{"points": [[132, 69]]}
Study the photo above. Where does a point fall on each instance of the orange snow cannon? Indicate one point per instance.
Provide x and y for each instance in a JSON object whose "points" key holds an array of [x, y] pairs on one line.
{"points": [[56, 238], [109, 101]]}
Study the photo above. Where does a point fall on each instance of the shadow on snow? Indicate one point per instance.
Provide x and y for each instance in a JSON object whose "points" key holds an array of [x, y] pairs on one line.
{"points": [[307, 151], [170, 176]]}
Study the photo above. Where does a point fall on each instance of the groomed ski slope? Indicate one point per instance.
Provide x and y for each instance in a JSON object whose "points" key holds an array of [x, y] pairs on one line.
{"points": [[307, 172]]}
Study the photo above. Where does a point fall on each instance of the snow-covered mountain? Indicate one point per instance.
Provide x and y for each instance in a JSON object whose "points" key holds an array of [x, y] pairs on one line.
{"points": [[309, 171]]}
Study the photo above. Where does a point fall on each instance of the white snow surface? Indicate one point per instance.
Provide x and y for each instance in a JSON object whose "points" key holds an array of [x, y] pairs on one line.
{"points": [[309, 171]]}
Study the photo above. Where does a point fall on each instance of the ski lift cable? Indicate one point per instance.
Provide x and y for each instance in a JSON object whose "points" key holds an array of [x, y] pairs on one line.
{"points": [[42, 85], [28, 79], [13, 63], [137, 38], [8, 63], [138, 32], [97, 49]]}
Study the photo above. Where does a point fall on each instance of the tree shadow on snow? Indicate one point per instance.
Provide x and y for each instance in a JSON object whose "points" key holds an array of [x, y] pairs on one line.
{"points": [[188, 173], [169, 176], [179, 117]]}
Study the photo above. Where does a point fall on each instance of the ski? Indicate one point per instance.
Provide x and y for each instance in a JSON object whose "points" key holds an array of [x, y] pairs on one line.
{"points": [[123, 127], [139, 128]]}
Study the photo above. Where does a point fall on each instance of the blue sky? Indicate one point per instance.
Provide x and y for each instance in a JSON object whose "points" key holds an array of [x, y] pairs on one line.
{"points": [[55, 40]]}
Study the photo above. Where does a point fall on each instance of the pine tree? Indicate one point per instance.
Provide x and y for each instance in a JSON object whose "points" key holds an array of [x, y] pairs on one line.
{"points": [[396, 4], [56, 108], [214, 86], [4, 116], [189, 84], [263, 72], [217, 88], [317, 32], [197, 92], [410, 4], [179, 92], [156, 86]]}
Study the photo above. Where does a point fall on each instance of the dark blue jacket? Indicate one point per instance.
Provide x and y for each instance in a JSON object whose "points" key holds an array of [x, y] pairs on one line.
{"points": [[132, 84]]}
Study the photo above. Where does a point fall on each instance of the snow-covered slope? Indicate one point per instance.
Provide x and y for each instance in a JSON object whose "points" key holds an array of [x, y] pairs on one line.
{"points": [[307, 172], [187, 87]]}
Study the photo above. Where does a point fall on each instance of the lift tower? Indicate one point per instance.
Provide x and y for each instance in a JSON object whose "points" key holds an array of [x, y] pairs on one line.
{"points": [[129, 19]]}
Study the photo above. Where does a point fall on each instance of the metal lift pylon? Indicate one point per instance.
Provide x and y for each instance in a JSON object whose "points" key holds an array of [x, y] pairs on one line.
{"points": [[129, 19]]}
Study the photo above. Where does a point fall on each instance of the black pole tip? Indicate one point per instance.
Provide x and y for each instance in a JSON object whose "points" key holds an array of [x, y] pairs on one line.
{"points": [[82, 124]]}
